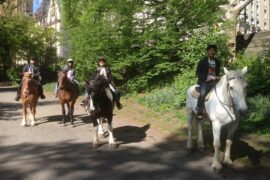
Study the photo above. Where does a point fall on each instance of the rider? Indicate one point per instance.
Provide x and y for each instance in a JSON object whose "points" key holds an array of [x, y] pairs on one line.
{"points": [[34, 69], [70, 72], [208, 73], [100, 69]]}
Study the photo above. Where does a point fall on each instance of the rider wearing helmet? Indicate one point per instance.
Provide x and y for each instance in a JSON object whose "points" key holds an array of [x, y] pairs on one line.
{"points": [[208, 73], [70, 72], [105, 70], [34, 69]]}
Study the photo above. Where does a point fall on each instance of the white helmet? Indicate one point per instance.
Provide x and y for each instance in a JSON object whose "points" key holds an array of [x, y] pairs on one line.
{"points": [[70, 60]]}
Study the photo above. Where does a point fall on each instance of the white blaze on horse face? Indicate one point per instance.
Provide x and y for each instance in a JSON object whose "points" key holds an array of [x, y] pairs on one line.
{"points": [[103, 72], [92, 107]]}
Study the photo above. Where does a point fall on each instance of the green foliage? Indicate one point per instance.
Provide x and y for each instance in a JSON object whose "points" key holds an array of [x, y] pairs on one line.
{"points": [[143, 40], [14, 74], [258, 75], [194, 48], [170, 97], [257, 119], [21, 38]]}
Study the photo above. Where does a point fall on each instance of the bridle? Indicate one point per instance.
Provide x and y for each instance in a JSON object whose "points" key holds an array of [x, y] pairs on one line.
{"points": [[224, 104]]}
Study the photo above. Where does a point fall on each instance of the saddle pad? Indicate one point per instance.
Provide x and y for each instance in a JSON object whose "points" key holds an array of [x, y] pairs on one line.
{"points": [[196, 93]]}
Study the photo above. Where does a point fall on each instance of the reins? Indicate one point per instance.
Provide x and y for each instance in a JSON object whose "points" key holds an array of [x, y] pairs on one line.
{"points": [[224, 104]]}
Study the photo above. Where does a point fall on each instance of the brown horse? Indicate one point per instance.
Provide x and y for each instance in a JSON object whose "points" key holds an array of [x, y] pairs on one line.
{"points": [[68, 94], [29, 94]]}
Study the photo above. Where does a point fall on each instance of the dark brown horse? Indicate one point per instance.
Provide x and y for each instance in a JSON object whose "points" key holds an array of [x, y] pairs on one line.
{"points": [[29, 94], [68, 94]]}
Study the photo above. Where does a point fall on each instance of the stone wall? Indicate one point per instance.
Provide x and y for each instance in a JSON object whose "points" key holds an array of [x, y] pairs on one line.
{"points": [[253, 44]]}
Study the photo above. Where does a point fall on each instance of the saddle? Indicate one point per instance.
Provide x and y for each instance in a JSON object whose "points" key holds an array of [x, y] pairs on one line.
{"points": [[196, 93]]}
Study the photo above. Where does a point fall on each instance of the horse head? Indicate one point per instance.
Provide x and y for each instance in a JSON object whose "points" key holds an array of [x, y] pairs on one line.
{"points": [[27, 75], [236, 87], [96, 90], [62, 79]]}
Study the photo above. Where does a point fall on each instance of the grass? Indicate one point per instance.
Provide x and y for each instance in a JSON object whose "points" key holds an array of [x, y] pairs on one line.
{"points": [[49, 86]]}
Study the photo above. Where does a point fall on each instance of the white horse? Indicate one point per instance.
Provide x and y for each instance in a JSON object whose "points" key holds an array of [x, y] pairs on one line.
{"points": [[226, 102]]}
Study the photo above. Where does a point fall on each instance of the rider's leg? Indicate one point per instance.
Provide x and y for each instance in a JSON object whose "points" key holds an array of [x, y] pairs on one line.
{"points": [[117, 99], [116, 94], [40, 89], [203, 93], [18, 96], [56, 89], [85, 99]]}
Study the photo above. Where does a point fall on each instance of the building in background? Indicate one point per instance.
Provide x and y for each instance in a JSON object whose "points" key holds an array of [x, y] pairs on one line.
{"points": [[19, 6], [48, 16], [255, 18]]}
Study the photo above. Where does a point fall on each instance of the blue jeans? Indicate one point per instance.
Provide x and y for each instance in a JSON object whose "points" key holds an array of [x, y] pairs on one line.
{"points": [[205, 87]]}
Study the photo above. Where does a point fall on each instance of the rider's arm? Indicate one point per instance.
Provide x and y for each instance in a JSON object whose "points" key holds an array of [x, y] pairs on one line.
{"points": [[199, 71], [110, 77]]}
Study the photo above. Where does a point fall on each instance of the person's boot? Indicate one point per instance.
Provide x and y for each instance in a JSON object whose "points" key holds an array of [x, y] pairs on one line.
{"points": [[42, 96], [199, 112], [18, 96]]}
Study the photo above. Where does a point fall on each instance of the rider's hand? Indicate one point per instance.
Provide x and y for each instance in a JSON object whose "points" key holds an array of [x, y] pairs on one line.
{"points": [[209, 78]]}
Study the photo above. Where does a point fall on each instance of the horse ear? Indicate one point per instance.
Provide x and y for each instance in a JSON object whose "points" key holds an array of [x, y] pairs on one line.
{"points": [[226, 71], [244, 70]]}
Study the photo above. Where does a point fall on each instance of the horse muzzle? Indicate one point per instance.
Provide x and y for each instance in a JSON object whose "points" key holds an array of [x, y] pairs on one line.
{"points": [[243, 112], [61, 87]]}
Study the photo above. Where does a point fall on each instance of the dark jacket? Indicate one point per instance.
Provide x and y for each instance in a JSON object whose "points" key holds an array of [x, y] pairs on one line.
{"points": [[202, 69], [109, 75], [36, 71]]}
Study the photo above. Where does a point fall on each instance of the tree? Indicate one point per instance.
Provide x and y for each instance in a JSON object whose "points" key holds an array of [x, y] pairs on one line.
{"points": [[21, 38], [143, 40]]}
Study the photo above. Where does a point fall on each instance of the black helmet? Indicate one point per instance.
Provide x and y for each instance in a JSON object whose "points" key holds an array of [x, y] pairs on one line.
{"points": [[101, 58], [211, 46], [33, 58]]}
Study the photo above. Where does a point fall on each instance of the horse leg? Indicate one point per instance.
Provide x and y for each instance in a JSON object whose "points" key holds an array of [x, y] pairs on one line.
{"points": [[110, 130], [63, 112], [24, 112], [70, 112], [216, 165], [32, 114], [231, 129], [189, 141], [200, 141], [96, 138], [100, 127]]}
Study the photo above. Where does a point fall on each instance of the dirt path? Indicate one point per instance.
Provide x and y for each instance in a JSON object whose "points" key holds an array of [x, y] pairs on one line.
{"points": [[52, 151]]}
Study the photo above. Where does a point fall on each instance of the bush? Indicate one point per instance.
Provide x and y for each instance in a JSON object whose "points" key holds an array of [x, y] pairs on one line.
{"points": [[257, 119], [14, 74], [258, 75], [171, 97]]}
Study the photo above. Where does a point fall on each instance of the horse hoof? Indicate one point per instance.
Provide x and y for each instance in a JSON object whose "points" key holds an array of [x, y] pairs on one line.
{"points": [[33, 124], [23, 124], [228, 162], [217, 167], [95, 145], [113, 146]]}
